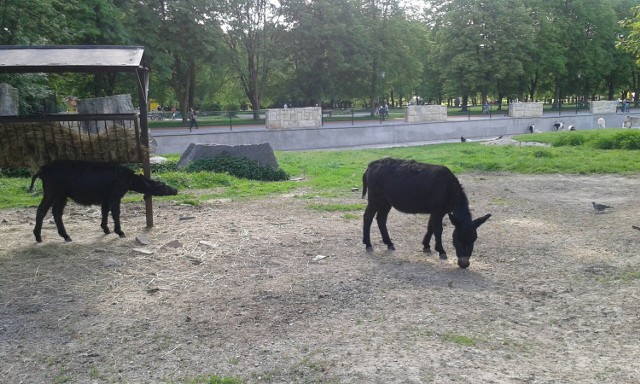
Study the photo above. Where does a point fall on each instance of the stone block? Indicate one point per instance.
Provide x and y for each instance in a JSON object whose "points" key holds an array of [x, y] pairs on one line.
{"points": [[104, 105], [603, 106], [526, 109], [8, 100], [425, 113], [309, 117], [262, 153]]}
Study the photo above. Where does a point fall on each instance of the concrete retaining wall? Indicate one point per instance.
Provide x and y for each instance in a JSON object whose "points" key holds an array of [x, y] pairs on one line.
{"points": [[285, 118], [380, 134], [425, 113]]}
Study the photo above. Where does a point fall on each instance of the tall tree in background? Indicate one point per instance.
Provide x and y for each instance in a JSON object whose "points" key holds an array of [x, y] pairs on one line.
{"points": [[32, 22], [180, 36], [326, 52], [252, 33], [483, 44]]}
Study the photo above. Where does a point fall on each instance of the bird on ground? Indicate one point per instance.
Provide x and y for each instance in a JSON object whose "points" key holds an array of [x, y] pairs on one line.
{"points": [[462, 139], [599, 207]]}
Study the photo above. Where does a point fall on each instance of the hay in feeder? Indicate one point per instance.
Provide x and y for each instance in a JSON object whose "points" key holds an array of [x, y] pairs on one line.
{"points": [[35, 144]]}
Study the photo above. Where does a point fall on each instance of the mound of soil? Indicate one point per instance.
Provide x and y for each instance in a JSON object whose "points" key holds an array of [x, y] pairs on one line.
{"points": [[271, 290]]}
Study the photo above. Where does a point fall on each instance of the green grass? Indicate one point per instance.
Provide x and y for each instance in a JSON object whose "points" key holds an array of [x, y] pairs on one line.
{"points": [[334, 173], [214, 380], [337, 207], [459, 339]]}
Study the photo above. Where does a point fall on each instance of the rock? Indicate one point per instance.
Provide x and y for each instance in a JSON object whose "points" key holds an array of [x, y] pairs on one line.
{"points": [[319, 257], [142, 240], [111, 263], [142, 251], [157, 159], [104, 105], [262, 153], [173, 244], [208, 243], [8, 100]]}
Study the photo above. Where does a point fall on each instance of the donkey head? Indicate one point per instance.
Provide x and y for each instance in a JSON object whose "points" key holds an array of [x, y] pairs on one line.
{"points": [[464, 236]]}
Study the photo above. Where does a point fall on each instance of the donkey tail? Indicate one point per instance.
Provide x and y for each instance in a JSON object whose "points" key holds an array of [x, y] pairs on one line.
{"points": [[364, 183], [33, 180]]}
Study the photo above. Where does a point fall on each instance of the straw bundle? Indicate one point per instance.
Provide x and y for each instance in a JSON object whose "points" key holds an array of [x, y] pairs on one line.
{"points": [[34, 144]]}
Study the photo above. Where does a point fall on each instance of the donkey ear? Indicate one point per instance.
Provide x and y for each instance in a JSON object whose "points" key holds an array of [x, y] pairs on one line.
{"points": [[480, 220], [453, 220]]}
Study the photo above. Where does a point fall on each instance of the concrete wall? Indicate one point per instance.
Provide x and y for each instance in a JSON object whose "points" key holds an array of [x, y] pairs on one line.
{"points": [[526, 109], [285, 118], [425, 113], [380, 134]]}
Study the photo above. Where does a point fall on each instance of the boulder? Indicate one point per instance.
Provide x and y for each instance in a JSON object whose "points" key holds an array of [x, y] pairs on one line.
{"points": [[8, 100], [104, 105], [262, 153]]}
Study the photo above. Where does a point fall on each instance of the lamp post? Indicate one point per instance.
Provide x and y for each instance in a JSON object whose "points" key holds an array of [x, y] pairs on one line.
{"points": [[380, 107]]}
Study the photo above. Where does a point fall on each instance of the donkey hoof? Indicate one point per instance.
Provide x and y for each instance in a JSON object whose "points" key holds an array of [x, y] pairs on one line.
{"points": [[67, 239], [369, 249], [391, 248], [443, 256], [426, 250]]}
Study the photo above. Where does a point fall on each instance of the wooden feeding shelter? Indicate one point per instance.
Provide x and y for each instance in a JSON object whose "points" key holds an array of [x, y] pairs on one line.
{"points": [[31, 141]]}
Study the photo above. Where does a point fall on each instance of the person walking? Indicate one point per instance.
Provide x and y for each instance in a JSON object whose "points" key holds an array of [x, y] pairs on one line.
{"points": [[192, 119]]}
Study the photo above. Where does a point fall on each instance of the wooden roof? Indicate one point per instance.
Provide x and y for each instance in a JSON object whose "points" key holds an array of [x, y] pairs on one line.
{"points": [[77, 58]]}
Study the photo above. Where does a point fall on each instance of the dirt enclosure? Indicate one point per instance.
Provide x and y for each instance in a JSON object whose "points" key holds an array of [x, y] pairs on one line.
{"points": [[273, 291]]}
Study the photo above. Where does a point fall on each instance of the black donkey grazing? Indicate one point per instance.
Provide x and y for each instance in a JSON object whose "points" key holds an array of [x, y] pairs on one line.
{"points": [[90, 183], [413, 187]]}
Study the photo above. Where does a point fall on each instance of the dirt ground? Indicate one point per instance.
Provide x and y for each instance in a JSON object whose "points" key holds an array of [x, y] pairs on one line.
{"points": [[273, 291]]}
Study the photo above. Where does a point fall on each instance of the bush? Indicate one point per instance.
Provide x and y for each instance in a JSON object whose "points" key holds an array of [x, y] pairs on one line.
{"points": [[569, 139], [629, 140], [167, 166], [15, 172], [238, 167]]}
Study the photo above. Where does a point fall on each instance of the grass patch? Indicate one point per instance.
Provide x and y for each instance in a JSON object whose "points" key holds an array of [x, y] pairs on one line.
{"points": [[214, 380], [333, 174], [606, 139], [459, 339], [337, 207], [626, 277]]}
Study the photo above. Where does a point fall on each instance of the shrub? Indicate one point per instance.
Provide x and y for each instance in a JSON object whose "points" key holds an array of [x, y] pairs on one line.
{"points": [[238, 167], [15, 172], [629, 140], [569, 139]]}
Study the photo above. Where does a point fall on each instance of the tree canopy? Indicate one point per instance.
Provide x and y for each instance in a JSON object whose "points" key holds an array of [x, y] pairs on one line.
{"points": [[235, 54]]}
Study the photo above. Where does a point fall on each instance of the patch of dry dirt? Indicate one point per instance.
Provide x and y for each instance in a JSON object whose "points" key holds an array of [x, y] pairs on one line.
{"points": [[551, 295]]}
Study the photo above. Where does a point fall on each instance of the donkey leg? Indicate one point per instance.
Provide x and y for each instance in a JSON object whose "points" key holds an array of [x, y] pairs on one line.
{"points": [[115, 213], [435, 222], [58, 210], [43, 208], [427, 239], [381, 218], [105, 217], [369, 214]]}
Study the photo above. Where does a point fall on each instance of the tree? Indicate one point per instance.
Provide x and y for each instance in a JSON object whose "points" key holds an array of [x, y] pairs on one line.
{"points": [[253, 32], [483, 44], [180, 36]]}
